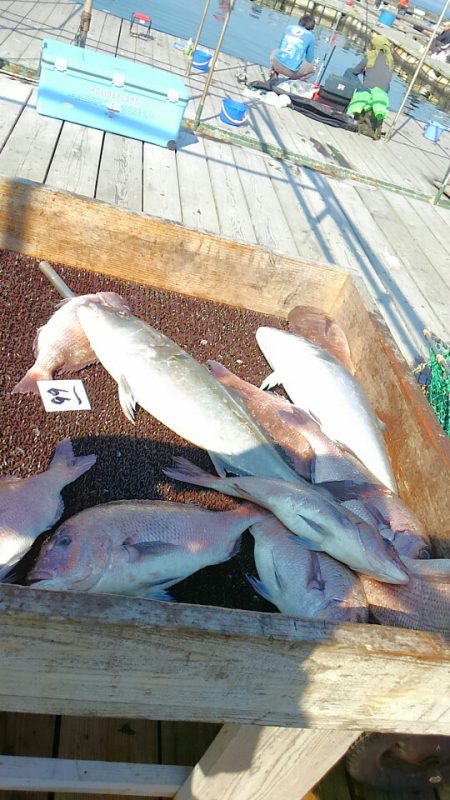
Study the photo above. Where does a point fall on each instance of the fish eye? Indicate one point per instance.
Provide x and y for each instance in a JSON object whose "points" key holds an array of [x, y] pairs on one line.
{"points": [[63, 541], [424, 553]]}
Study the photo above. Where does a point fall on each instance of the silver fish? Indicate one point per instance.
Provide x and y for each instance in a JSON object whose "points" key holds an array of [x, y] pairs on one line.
{"points": [[29, 506], [61, 343], [310, 513], [339, 471], [318, 383], [152, 370], [302, 582], [138, 547]]}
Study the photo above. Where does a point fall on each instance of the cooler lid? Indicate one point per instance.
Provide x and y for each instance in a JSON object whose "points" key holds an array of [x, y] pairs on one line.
{"points": [[120, 71]]}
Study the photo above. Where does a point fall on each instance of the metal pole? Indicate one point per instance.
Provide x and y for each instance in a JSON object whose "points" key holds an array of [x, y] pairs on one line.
{"points": [[85, 21], [419, 65], [213, 64], [442, 188], [197, 37]]}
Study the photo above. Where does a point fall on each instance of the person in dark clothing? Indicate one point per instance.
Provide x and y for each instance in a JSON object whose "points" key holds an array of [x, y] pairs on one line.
{"points": [[441, 42], [377, 64]]}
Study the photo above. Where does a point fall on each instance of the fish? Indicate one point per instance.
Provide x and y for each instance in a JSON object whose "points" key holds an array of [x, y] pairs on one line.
{"points": [[266, 408], [153, 371], [321, 523], [61, 344], [423, 603], [341, 472], [138, 547], [319, 384], [319, 328], [30, 506], [301, 582]]}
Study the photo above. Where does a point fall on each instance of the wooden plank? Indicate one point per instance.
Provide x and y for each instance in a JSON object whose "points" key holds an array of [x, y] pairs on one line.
{"points": [[90, 777], [45, 223], [118, 740], [216, 665], [266, 213], [231, 201], [198, 204], [120, 172], [160, 183], [185, 742], [75, 162], [13, 98], [28, 152], [26, 735], [262, 763], [335, 785]]}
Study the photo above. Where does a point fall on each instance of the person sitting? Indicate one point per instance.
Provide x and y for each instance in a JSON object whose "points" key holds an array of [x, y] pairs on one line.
{"points": [[377, 64], [294, 56], [370, 105], [441, 43]]}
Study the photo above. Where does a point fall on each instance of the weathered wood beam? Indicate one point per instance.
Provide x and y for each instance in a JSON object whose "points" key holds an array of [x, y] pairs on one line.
{"points": [[106, 655], [90, 777], [250, 763]]}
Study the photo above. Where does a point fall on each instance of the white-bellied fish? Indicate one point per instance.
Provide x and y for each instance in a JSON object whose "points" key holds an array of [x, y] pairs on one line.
{"points": [[61, 343], [321, 523], [153, 371], [302, 582], [318, 383], [139, 547], [30, 506]]}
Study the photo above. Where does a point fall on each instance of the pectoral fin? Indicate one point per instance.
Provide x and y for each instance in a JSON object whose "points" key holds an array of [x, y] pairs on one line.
{"points": [[314, 580], [141, 550], [159, 594], [259, 587], [126, 399], [271, 381]]}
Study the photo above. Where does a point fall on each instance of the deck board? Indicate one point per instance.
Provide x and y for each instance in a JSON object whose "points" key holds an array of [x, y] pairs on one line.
{"points": [[120, 174], [74, 166], [29, 149]]}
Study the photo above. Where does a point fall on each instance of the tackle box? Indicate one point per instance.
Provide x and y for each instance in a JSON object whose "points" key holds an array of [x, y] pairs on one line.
{"points": [[338, 89], [113, 94]]}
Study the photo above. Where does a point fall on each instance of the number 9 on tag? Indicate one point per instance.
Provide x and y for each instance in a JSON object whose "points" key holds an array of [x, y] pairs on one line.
{"points": [[64, 395]]}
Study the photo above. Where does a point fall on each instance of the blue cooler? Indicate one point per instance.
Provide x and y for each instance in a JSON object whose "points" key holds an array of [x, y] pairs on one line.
{"points": [[112, 94], [387, 18]]}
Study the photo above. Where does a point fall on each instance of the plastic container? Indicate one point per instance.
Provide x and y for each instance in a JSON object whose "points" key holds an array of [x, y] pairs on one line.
{"points": [[201, 59], [387, 18], [434, 131], [233, 113], [113, 94]]}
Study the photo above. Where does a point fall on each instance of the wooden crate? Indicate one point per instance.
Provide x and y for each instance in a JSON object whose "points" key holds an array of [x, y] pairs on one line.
{"points": [[294, 694]]}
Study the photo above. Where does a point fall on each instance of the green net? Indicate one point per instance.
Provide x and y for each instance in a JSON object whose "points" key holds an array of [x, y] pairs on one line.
{"points": [[437, 385], [438, 391]]}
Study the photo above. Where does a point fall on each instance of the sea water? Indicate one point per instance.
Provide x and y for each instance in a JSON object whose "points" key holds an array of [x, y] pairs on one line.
{"points": [[253, 32]]}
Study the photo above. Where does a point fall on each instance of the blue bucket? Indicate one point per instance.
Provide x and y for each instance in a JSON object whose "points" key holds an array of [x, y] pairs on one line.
{"points": [[387, 18], [201, 59], [233, 113], [434, 131]]}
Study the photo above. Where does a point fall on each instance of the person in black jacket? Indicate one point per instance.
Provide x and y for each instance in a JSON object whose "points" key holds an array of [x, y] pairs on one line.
{"points": [[377, 64]]}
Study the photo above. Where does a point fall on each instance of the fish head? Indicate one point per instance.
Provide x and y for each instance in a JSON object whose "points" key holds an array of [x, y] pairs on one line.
{"points": [[411, 544], [73, 558], [113, 300], [106, 327]]}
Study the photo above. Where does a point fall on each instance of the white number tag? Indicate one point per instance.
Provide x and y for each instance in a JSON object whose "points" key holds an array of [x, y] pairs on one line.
{"points": [[64, 396]]}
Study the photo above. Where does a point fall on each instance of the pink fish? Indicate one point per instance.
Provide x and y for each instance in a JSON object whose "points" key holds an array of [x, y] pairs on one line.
{"points": [[423, 603], [265, 408], [29, 506], [319, 328], [61, 343], [139, 547]]}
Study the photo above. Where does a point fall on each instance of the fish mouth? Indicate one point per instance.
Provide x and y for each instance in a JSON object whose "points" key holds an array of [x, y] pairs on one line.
{"points": [[40, 575]]}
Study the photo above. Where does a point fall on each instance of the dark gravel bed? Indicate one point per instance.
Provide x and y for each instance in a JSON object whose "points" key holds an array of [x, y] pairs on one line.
{"points": [[129, 458]]}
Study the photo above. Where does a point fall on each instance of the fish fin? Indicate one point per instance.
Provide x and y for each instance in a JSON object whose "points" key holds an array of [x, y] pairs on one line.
{"points": [[28, 384], [314, 525], [219, 465], [126, 399], [64, 458], [141, 550], [184, 470], [350, 490], [279, 580], [159, 594], [382, 425], [310, 544], [259, 587], [271, 381], [314, 579], [217, 369], [234, 550]]}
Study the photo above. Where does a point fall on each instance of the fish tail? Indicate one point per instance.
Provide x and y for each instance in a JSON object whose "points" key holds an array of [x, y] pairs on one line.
{"points": [[185, 470], [64, 459], [28, 384]]}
